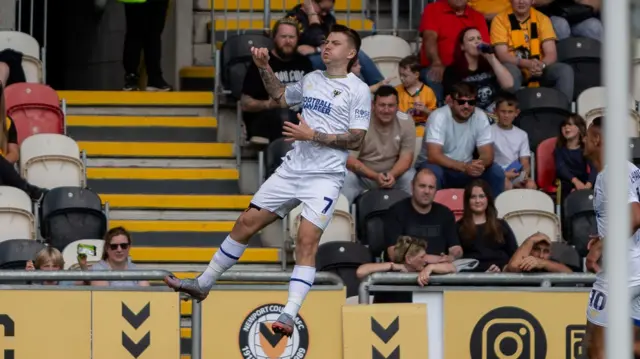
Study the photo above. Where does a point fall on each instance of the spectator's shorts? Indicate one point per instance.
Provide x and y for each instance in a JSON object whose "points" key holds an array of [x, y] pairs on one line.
{"points": [[284, 191], [597, 312]]}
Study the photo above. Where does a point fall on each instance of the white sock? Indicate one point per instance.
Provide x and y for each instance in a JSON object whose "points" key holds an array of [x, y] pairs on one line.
{"points": [[300, 284], [228, 254]]}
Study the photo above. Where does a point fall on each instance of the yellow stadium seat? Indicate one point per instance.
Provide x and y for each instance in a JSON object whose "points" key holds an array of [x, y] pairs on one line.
{"points": [[231, 24], [278, 5]]}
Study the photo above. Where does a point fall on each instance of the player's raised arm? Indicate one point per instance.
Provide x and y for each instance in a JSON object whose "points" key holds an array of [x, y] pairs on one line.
{"points": [[276, 89]]}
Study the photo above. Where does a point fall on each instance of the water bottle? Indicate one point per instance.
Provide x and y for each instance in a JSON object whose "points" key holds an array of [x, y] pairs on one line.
{"points": [[485, 48]]}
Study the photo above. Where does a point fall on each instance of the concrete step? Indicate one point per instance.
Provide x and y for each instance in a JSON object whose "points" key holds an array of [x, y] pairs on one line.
{"points": [[203, 255], [162, 163], [109, 149], [176, 202]]}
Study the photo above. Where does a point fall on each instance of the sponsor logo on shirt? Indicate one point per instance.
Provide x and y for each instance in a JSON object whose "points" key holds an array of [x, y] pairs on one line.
{"points": [[336, 93], [316, 104], [362, 114]]}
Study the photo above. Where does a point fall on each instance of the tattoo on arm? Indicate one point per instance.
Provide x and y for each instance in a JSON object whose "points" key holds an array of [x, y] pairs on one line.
{"points": [[344, 141], [274, 87]]}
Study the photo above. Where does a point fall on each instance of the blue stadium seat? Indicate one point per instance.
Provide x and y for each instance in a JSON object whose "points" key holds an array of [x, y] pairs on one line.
{"points": [[343, 259], [236, 58], [371, 207], [275, 151], [579, 219], [542, 111], [583, 55], [69, 214]]}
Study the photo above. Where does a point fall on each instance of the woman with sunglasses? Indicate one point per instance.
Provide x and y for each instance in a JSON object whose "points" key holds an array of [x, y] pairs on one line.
{"points": [[117, 243], [410, 255]]}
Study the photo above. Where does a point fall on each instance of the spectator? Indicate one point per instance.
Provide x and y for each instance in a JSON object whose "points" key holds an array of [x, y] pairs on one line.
{"points": [[475, 63], [50, 259], [484, 237], [117, 244], [316, 22], [441, 24], [578, 18], [145, 22], [410, 256], [573, 170], [511, 145], [11, 70], [262, 116], [420, 217], [9, 139], [490, 8], [415, 98], [357, 70], [534, 256], [524, 41], [386, 155], [454, 132]]}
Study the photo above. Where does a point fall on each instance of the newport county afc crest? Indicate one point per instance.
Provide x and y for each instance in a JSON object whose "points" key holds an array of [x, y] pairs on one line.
{"points": [[258, 341]]}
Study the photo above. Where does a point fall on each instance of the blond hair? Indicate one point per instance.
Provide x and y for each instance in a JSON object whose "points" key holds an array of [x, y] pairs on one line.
{"points": [[407, 246], [49, 255]]}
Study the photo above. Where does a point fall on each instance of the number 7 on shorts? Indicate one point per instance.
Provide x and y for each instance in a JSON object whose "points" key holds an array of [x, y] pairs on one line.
{"points": [[329, 203]]}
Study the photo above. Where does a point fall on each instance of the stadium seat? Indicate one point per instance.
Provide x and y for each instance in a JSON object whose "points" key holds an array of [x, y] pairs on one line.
{"points": [[528, 211], [633, 123], [30, 49], [49, 161], [343, 259], [340, 229], [16, 216], [417, 149], [583, 55], [634, 143], [542, 111], [35, 109], [69, 214], [545, 166], [70, 253], [236, 58], [15, 253], [453, 198], [579, 219], [386, 51], [596, 98], [567, 255], [371, 206], [274, 154]]}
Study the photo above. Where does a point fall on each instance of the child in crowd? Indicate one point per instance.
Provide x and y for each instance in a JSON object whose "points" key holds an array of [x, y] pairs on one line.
{"points": [[511, 144], [572, 168], [356, 69], [414, 97]]}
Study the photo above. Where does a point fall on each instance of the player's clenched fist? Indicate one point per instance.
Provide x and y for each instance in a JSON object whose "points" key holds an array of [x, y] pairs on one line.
{"points": [[260, 56]]}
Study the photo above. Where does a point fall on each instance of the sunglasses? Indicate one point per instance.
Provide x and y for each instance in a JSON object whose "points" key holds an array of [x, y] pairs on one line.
{"points": [[115, 246], [461, 102]]}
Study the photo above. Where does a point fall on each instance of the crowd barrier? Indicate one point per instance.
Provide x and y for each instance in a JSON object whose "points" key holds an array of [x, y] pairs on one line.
{"points": [[456, 316]]}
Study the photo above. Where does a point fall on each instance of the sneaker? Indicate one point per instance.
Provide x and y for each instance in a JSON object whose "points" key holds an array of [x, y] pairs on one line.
{"points": [[284, 325], [158, 85], [131, 82], [187, 286], [260, 141]]}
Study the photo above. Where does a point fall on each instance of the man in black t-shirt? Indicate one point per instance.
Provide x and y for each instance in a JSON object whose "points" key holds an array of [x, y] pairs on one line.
{"points": [[419, 216], [262, 116]]}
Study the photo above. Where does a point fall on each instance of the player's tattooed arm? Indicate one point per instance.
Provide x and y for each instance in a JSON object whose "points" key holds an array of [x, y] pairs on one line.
{"points": [[274, 87], [344, 141]]}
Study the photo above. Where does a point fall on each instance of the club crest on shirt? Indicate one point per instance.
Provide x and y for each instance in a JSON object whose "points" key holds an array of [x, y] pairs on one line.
{"points": [[336, 93]]}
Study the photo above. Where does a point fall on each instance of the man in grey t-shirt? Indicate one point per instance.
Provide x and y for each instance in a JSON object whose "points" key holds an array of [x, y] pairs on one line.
{"points": [[453, 132]]}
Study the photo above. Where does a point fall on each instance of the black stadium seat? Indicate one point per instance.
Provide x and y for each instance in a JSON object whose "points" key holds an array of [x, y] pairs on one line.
{"points": [[567, 255], [634, 143], [15, 253], [273, 158], [583, 55], [580, 219], [542, 111], [371, 207], [236, 58], [343, 259], [69, 214]]}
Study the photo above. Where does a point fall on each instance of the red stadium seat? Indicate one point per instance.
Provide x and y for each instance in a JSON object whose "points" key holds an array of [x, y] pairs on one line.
{"points": [[546, 166], [35, 108], [453, 198]]}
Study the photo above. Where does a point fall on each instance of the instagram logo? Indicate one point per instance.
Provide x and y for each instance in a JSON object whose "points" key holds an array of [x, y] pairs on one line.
{"points": [[508, 332]]}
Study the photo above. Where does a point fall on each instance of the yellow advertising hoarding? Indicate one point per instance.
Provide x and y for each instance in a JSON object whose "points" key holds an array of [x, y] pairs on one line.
{"points": [[237, 325], [531, 325], [45, 324], [385, 331], [142, 325]]}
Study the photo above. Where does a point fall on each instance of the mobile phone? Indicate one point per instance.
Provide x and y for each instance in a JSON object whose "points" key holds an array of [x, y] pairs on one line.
{"points": [[87, 250]]}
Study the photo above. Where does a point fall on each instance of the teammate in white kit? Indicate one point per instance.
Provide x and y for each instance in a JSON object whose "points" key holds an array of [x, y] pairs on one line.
{"points": [[336, 107], [597, 311]]}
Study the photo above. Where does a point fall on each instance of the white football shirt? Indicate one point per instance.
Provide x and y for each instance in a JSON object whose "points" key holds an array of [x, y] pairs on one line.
{"points": [[331, 105], [599, 205]]}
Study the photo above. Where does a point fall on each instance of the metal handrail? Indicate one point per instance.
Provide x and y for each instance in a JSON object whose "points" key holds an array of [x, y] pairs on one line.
{"points": [[404, 280], [23, 275]]}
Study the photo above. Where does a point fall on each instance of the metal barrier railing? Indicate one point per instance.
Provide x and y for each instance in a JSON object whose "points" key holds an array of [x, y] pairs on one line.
{"points": [[402, 282], [22, 275]]}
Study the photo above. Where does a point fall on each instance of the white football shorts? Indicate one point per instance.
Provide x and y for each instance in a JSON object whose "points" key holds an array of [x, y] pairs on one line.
{"points": [[284, 191], [597, 312]]}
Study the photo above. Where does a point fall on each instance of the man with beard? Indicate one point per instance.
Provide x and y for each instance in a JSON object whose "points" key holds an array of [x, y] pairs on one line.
{"points": [[262, 115], [455, 132]]}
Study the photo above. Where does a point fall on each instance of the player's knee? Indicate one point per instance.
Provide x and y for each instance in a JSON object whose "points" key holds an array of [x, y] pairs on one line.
{"points": [[252, 219]]}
